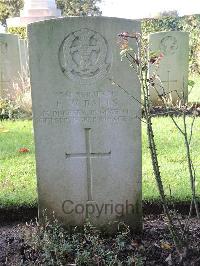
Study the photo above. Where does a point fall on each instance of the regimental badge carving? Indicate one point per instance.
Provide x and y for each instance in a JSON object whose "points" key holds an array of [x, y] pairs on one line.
{"points": [[84, 56], [168, 45]]}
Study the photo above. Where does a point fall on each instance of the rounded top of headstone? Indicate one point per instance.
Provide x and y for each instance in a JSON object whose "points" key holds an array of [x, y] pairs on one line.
{"points": [[6, 35], [168, 42], [160, 33]]}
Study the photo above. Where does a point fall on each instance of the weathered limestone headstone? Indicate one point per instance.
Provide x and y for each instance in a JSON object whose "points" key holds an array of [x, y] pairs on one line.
{"points": [[23, 50], [9, 63], [173, 69], [87, 130], [34, 10]]}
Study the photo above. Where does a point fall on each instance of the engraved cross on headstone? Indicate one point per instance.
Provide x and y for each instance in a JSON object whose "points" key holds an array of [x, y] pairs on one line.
{"points": [[89, 155], [168, 81]]}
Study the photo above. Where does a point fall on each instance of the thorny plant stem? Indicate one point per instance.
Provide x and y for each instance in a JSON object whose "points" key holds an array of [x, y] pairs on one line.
{"points": [[140, 66], [187, 140], [190, 164], [192, 175], [143, 77], [154, 158]]}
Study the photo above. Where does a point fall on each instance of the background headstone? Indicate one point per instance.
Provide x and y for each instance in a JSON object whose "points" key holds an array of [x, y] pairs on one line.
{"points": [[23, 49], [173, 68], [87, 130], [9, 63]]}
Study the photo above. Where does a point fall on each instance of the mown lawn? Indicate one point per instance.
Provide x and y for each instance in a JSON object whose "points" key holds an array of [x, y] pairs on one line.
{"points": [[172, 158], [194, 93], [17, 170]]}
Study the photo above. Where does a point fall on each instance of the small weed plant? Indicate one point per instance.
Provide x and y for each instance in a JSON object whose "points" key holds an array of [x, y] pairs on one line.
{"points": [[51, 244]]}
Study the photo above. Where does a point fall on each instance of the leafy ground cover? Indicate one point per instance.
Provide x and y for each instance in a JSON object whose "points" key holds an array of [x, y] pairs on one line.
{"points": [[32, 244], [17, 165]]}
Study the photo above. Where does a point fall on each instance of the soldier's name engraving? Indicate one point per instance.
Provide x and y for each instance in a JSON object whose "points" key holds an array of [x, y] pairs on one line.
{"points": [[92, 115], [73, 119], [88, 106], [66, 113]]}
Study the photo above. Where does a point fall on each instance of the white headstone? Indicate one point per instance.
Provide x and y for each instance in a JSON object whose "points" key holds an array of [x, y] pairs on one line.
{"points": [[87, 130], [9, 63], [39, 4], [35, 10], [23, 50], [173, 68]]}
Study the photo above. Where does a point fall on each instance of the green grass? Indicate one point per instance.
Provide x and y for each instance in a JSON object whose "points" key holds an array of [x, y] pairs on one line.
{"points": [[194, 95], [172, 159], [17, 170]]}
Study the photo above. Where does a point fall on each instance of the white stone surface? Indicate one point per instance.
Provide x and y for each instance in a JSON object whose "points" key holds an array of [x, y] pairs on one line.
{"points": [[87, 130], [35, 8], [38, 4], [23, 51], [9, 63], [33, 11], [2, 29], [173, 69]]}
